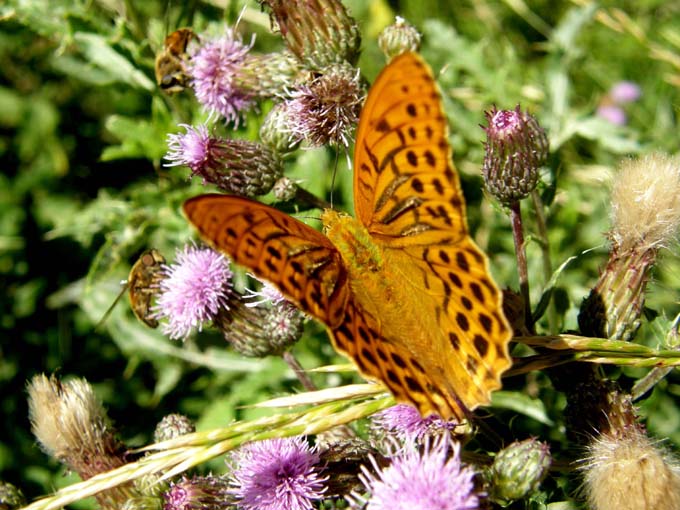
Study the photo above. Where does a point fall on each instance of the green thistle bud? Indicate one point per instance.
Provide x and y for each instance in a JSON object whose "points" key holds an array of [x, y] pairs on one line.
{"points": [[261, 328], [400, 37], [11, 497], [268, 74], [172, 426], [318, 32], [518, 470], [285, 189], [71, 425], [515, 148], [275, 131]]}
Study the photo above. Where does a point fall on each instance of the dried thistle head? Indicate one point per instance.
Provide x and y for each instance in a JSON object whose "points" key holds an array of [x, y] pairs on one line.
{"points": [[71, 425], [645, 217], [67, 417], [627, 471], [646, 202]]}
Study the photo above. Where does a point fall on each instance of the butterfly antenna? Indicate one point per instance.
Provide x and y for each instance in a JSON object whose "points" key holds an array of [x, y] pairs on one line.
{"points": [[335, 171]]}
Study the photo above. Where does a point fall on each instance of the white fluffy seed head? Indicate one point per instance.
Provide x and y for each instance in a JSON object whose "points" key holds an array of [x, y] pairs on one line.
{"points": [[629, 472], [66, 417], [646, 202]]}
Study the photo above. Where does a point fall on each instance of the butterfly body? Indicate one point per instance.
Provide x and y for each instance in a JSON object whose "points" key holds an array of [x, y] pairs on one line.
{"points": [[402, 288]]}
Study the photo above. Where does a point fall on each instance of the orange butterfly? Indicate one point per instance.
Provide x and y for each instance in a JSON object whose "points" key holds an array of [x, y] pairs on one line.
{"points": [[403, 289]]}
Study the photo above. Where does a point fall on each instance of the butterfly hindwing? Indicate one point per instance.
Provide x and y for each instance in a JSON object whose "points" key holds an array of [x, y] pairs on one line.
{"points": [[299, 260], [361, 337]]}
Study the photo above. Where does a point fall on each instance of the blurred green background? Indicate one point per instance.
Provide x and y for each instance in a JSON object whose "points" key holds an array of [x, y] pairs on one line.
{"points": [[83, 190]]}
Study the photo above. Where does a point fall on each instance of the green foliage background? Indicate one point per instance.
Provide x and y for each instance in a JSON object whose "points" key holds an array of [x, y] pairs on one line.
{"points": [[83, 190]]}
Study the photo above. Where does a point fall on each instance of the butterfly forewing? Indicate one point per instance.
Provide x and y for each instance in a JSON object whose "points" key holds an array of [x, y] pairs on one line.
{"points": [[409, 198], [406, 188], [300, 261]]}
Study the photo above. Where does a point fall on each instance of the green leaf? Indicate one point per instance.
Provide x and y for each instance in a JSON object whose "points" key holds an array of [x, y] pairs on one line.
{"points": [[523, 404], [98, 51]]}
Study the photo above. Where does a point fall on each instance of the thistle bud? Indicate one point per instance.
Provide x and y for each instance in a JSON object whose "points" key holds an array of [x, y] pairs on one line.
{"points": [[625, 470], [285, 189], [11, 497], [326, 109], [275, 131], [71, 425], [239, 167], [400, 37], [198, 493], [172, 426], [318, 32], [268, 74], [516, 146], [518, 470], [264, 327], [645, 217]]}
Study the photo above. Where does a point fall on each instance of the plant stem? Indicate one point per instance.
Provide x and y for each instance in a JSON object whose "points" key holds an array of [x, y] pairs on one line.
{"points": [[520, 253], [300, 373], [541, 225]]}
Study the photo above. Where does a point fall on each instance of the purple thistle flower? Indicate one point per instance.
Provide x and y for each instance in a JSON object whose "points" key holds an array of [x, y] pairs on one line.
{"points": [[613, 114], [193, 291], [625, 92], [276, 474], [193, 148], [406, 423], [214, 69], [239, 167], [430, 479]]}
